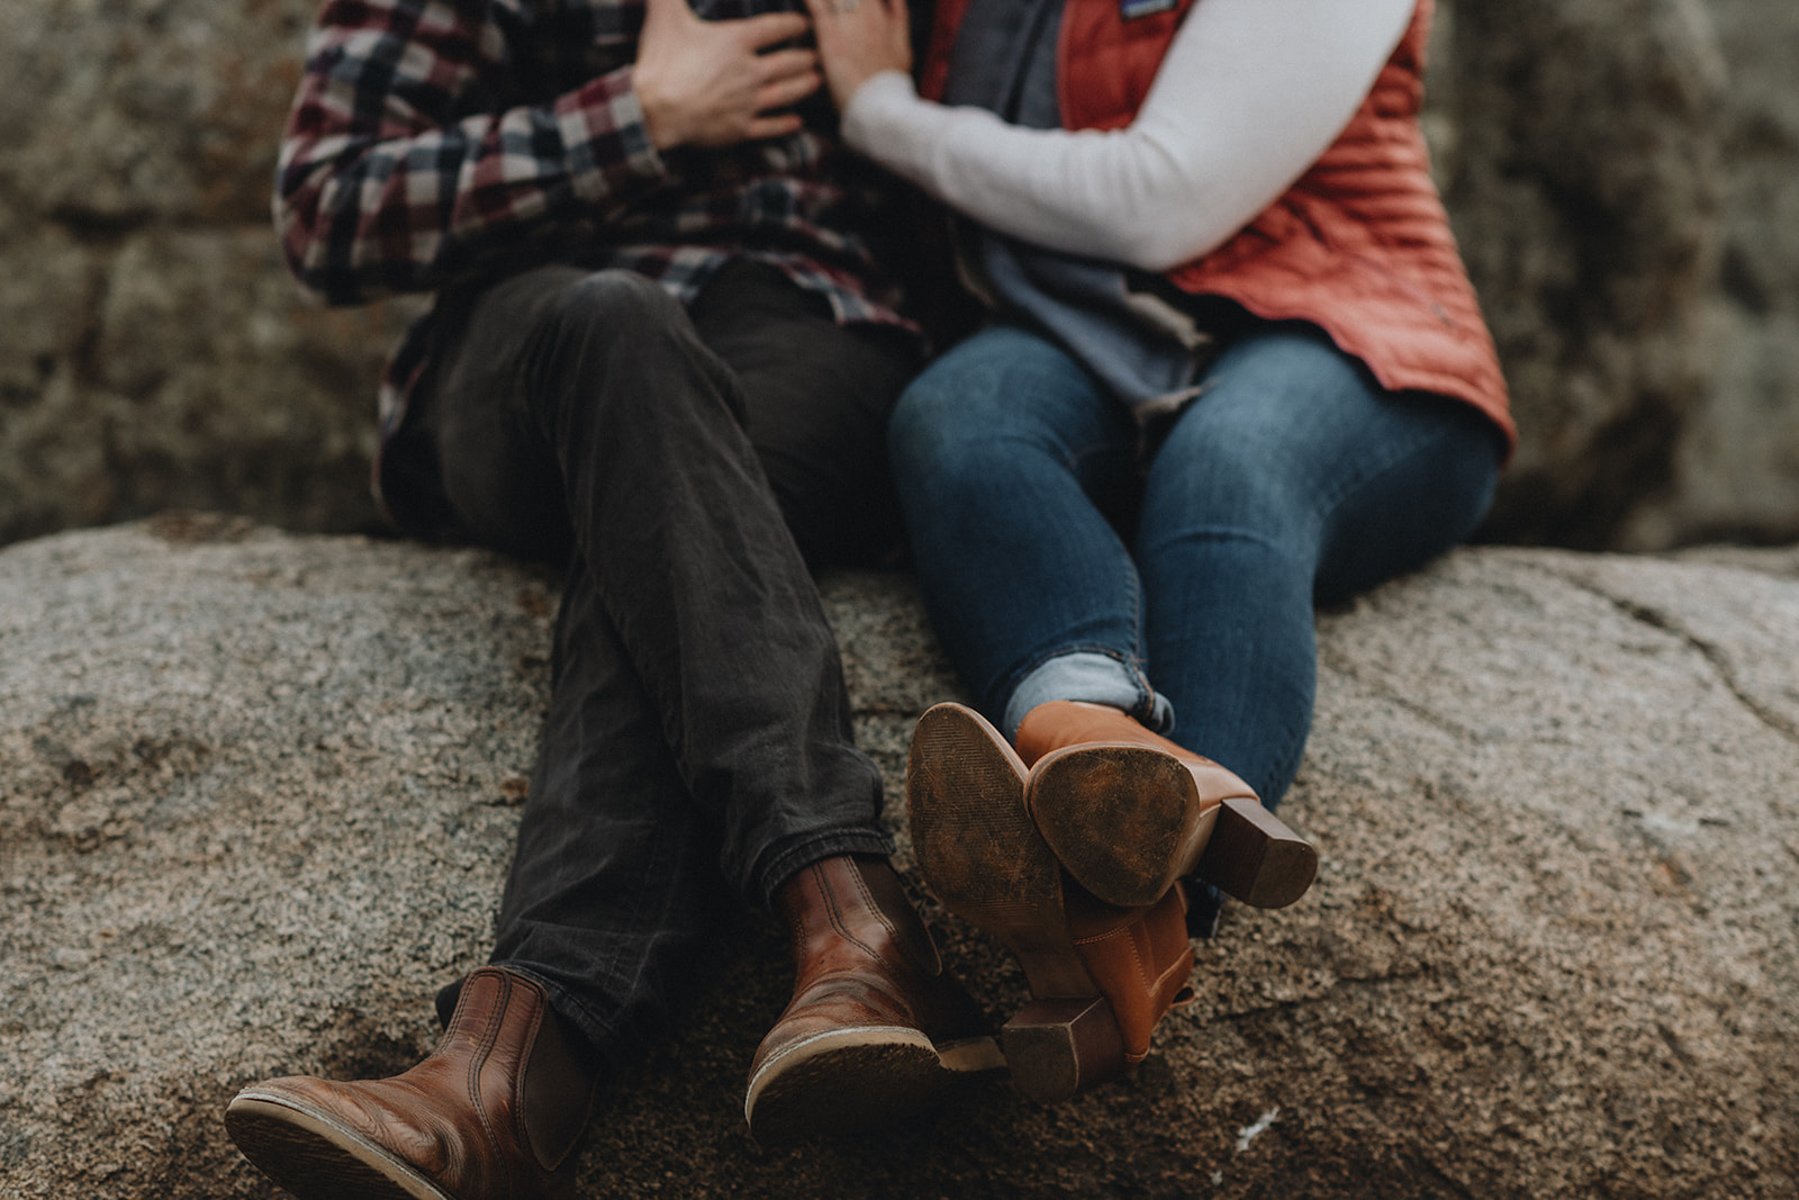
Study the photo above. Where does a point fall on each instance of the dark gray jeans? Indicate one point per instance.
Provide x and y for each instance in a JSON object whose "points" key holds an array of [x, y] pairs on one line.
{"points": [[685, 463]]}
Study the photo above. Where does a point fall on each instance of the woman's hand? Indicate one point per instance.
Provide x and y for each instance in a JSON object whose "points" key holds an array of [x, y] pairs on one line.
{"points": [[708, 83], [858, 39]]}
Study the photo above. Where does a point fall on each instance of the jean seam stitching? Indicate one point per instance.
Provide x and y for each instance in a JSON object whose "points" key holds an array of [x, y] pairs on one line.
{"points": [[1133, 586]]}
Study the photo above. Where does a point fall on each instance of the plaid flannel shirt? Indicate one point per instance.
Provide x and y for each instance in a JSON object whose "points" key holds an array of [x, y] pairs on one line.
{"points": [[435, 143]]}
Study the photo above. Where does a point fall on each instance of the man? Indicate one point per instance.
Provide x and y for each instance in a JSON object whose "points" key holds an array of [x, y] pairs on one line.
{"points": [[660, 354]]}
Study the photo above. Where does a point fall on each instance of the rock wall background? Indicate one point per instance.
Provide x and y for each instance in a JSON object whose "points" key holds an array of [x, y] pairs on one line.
{"points": [[1624, 175], [1736, 472], [1624, 178], [153, 351]]}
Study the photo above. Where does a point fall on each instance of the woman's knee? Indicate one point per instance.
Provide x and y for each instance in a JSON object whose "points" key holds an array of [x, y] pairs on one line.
{"points": [[929, 431], [1419, 506], [1285, 423], [980, 403]]}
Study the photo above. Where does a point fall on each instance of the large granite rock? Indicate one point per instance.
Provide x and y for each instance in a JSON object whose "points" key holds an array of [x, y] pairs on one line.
{"points": [[1621, 173], [257, 791]]}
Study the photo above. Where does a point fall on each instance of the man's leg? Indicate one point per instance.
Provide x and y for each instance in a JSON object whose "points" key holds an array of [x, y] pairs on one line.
{"points": [[875, 1028], [697, 687], [683, 541], [693, 563], [613, 879], [498, 1107], [607, 889], [613, 882], [816, 400]]}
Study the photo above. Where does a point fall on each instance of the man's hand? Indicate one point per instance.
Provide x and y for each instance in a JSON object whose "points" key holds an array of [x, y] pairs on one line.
{"points": [[859, 39], [706, 83]]}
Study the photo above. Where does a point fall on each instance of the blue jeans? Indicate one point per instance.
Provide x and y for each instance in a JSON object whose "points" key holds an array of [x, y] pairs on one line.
{"points": [[1065, 556]]}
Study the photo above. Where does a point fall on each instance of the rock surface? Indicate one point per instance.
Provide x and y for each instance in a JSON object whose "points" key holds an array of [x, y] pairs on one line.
{"points": [[1621, 173], [257, 791]]}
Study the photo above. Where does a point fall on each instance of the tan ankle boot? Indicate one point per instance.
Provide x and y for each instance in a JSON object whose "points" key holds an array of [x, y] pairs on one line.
{"points": [[1129, 812], [876, 1030], [1101, 977], [1140, 962], [496, 1110]]}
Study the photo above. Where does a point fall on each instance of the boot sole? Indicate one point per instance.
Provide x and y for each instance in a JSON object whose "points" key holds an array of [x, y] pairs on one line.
{"points": [[852, 1080], [1127, 821], [316, 1157], [985, 860]]}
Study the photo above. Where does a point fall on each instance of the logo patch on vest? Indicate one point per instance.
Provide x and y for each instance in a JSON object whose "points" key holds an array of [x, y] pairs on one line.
{"points": [[1131, 10]]}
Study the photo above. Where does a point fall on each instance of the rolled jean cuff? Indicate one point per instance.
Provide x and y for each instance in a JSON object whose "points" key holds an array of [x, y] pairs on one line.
{"points": [[1095, 677], [789, 859]]}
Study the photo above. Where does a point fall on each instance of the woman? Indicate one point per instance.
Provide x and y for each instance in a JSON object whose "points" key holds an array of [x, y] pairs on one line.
{"points": [[1234, 366]]}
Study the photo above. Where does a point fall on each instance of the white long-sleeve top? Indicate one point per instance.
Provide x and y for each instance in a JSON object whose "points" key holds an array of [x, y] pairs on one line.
{"points": [[1250, 94]]}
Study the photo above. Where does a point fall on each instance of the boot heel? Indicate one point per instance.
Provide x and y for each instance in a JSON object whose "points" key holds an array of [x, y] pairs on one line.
{"points": [[1255, 857], [1056, 1048]]}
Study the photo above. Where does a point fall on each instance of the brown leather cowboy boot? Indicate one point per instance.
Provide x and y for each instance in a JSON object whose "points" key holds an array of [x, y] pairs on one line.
{"points": [[493, 1114], [1101, 976], [1139, 961], [1128, 812], [876, 1029]]}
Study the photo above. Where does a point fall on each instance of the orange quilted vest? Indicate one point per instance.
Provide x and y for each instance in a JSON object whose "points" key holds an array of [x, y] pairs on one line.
{"points": [[1360, 246]]}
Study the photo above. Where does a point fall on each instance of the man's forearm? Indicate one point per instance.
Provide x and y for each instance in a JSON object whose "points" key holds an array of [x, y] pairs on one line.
{"points": [[381, 189]]}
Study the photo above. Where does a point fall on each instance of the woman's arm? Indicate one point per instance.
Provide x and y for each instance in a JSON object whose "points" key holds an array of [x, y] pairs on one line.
{"points": [[1250, 94]]}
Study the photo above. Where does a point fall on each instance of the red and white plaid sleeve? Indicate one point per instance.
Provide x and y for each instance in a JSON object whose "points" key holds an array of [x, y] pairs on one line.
{"points": [[393, 177]]}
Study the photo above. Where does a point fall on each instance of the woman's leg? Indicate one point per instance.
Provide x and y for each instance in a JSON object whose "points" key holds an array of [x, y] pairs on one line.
{"points": [[1008, 457], [1294, 475]]}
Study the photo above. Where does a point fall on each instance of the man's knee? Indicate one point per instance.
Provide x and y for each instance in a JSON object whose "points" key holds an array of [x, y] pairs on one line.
{"points": [[617, 346], [612, 307]]}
